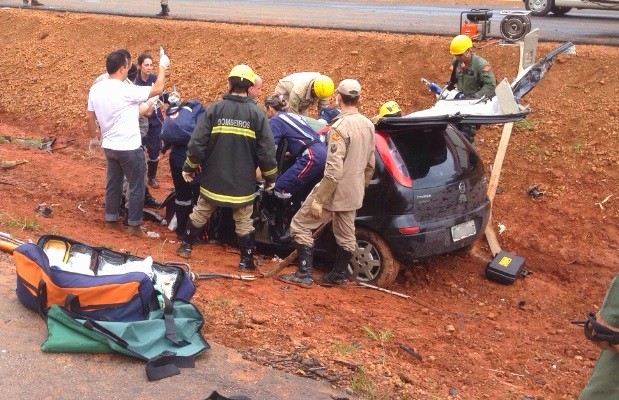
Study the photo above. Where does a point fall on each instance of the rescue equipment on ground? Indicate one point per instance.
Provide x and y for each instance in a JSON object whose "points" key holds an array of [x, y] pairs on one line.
{"points": [[505, 268]]}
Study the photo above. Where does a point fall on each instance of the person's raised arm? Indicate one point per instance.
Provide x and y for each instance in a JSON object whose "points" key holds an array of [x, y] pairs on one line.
{"points": [[157, 88]]}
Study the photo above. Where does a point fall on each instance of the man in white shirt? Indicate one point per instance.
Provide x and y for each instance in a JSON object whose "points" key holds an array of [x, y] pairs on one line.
{"points": [[116, 106]]}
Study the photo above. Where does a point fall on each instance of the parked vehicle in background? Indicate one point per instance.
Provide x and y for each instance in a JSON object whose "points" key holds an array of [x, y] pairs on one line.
{"points": [[561, 7]]}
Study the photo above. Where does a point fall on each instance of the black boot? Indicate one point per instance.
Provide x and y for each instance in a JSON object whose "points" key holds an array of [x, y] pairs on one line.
{"points": [[246, 246], [187, 239], [282, 219], [152, 173], [149, 200], [303, 276], [165, 11], [338, 275], [182, 218]]}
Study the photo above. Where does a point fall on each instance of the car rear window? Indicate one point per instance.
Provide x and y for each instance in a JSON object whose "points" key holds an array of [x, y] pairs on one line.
{"points": [[434, 155]]}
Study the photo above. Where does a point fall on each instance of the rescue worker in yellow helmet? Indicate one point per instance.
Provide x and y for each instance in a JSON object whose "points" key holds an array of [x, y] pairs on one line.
{"points": [[388, 109], [231, 139], [471, 73], [301, 90]]}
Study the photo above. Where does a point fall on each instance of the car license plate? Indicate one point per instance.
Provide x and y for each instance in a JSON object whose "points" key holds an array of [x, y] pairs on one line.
{"points": [[463, 230]]}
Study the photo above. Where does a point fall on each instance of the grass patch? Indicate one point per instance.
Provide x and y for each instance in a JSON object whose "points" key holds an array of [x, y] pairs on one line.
{"points": [[362, 384], [346, 348], [219, 302], [25, 224], [525, 124], [532, 148], [380, 336]]}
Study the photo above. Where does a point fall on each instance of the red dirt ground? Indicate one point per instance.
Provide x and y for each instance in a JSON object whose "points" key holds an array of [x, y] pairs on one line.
{"points": [[477, 339]]}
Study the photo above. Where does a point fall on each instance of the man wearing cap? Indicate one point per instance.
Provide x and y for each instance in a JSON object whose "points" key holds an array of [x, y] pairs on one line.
{"points": [[230, 140], [338, 196], [301, 90]]}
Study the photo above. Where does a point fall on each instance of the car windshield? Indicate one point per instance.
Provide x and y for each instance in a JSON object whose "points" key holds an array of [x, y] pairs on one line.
{"points": [[433, 156]]}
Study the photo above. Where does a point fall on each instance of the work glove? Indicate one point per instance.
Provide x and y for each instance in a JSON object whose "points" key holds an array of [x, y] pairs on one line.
{"points": [[316, 209], [164, 60], [324, 194], [94, 142]]}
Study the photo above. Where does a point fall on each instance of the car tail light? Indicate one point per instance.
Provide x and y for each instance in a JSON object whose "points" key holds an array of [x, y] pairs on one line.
{"points": [[409, 230], [392, 159]]}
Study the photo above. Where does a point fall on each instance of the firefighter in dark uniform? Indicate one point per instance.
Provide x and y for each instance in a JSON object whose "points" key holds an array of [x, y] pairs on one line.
{"points": [[231, 139], [472, 74], [338, 196]]}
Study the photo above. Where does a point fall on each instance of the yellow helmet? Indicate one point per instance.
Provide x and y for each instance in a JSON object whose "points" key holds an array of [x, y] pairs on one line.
{"points": [[323, 87], [389, 108], [244, 72], [460, 44]]}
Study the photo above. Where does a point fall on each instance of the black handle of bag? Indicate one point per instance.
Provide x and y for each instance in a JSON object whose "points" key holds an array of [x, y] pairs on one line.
{"points": [[42, 298], [170, 327], [92, 325], [167, 364]]}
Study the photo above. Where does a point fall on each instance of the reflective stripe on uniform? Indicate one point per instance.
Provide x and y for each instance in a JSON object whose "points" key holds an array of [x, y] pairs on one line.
{"points": [[234, 131], [190, 164], [270, 172], [227, 198]]}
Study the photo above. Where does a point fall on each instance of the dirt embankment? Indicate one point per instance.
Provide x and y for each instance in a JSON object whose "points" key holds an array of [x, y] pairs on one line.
{"points": [[477, 339]]}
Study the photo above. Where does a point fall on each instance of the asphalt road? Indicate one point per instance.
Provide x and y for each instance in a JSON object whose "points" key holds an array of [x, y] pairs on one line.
{"points": [[578, 26], [28, 373]]}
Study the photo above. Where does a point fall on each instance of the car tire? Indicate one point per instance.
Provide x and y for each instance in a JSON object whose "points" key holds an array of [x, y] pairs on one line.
{"points": [[373, 262], [560, 10], [539, 7]]}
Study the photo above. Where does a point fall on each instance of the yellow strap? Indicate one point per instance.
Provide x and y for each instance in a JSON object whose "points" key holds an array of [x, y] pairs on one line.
{"points": [[227, 199]]}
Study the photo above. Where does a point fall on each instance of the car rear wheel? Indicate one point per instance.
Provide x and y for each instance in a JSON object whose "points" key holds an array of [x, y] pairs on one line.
{"points": [[539, 7], [373, 261], [560, 10]]}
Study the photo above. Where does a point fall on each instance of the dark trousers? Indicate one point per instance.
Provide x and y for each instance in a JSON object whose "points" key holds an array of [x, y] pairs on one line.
{"points": [[152, 142], [186, 195], [129, 164]]}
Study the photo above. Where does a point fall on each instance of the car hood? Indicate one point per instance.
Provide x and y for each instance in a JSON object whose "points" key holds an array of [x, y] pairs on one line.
{"points": [[488, 110]]}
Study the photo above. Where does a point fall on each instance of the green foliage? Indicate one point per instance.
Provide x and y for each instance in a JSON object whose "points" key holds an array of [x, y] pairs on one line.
{"points": [[380, 336], [219, 302], [525, 124], [25, 224], [362, 384], [346, 348]]}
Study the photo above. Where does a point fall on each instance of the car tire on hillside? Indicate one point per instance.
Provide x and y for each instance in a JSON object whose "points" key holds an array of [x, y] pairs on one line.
{"points": [[539, 7], [373, 262]]}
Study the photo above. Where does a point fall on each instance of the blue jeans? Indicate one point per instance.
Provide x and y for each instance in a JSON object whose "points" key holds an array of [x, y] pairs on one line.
{"points": [[130, 164]]}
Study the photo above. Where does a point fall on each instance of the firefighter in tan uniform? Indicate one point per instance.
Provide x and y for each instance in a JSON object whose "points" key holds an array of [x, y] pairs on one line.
{"points": [[338, 196], [303, 89]]}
